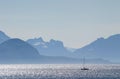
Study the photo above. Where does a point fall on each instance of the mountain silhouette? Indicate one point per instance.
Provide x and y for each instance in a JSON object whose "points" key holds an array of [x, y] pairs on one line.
{"points": [[51, 48], [38, 51], [102, 48], [3, 37], [16, 49]]}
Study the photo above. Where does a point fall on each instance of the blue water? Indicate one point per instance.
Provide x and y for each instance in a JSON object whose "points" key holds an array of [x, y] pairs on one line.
{"points": [[59, 71]]}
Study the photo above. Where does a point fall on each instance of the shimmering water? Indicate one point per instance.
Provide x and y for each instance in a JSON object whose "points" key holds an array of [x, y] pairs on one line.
{"points": [[59, 71]]}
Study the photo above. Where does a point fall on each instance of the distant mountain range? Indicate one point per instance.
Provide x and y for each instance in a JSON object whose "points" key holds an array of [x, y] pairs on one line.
{"points": [[38, 51], [51, 48], [108, 49]]}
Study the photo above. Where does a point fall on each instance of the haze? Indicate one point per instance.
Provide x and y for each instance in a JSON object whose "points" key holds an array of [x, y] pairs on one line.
{"points": [[75, 22]]}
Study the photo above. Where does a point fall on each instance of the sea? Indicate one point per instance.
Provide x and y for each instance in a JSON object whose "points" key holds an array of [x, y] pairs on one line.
{"points": [[59, 71]]}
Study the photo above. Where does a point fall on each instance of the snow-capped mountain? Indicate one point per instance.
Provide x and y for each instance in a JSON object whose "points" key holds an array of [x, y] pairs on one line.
{"points": [[51, 48]]}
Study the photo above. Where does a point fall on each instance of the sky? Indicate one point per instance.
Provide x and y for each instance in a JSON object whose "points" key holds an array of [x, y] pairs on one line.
{"points": [[75, 22]]}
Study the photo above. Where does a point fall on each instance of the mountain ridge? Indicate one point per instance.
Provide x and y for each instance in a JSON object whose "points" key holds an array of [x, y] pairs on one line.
{"points": [[51, 48], [102, 48], [108, 48], [17, 48]]}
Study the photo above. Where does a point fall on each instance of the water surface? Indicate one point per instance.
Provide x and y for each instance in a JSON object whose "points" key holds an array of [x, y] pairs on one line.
{"points": [[59, 71]]}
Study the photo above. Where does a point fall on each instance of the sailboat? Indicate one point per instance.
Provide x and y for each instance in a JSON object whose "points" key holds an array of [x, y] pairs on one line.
{"points": [[84, 68]]}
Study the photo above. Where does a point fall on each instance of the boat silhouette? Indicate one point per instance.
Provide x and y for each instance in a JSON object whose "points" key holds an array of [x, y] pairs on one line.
{"points": [[84, 62]]}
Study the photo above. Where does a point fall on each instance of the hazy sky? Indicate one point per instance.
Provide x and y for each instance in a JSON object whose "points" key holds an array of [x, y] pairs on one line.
{"points": [[75, 22]]}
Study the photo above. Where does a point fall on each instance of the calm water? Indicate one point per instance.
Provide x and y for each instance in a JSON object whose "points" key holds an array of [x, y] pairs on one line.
{"points": [[59, 71]]}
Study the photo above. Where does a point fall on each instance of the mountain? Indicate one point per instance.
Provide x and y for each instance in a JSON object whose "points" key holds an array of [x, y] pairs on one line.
{"points": [[108, 49], [38, 51], [3, 37], [51, 48], [16, 49]]}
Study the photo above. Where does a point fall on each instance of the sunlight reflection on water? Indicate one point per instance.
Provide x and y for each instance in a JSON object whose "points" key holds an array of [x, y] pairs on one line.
{"points": [[59, 71]]}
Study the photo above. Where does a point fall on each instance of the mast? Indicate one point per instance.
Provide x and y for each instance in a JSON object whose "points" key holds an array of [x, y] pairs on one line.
{"points": [[83, 61], [84, 68]]}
